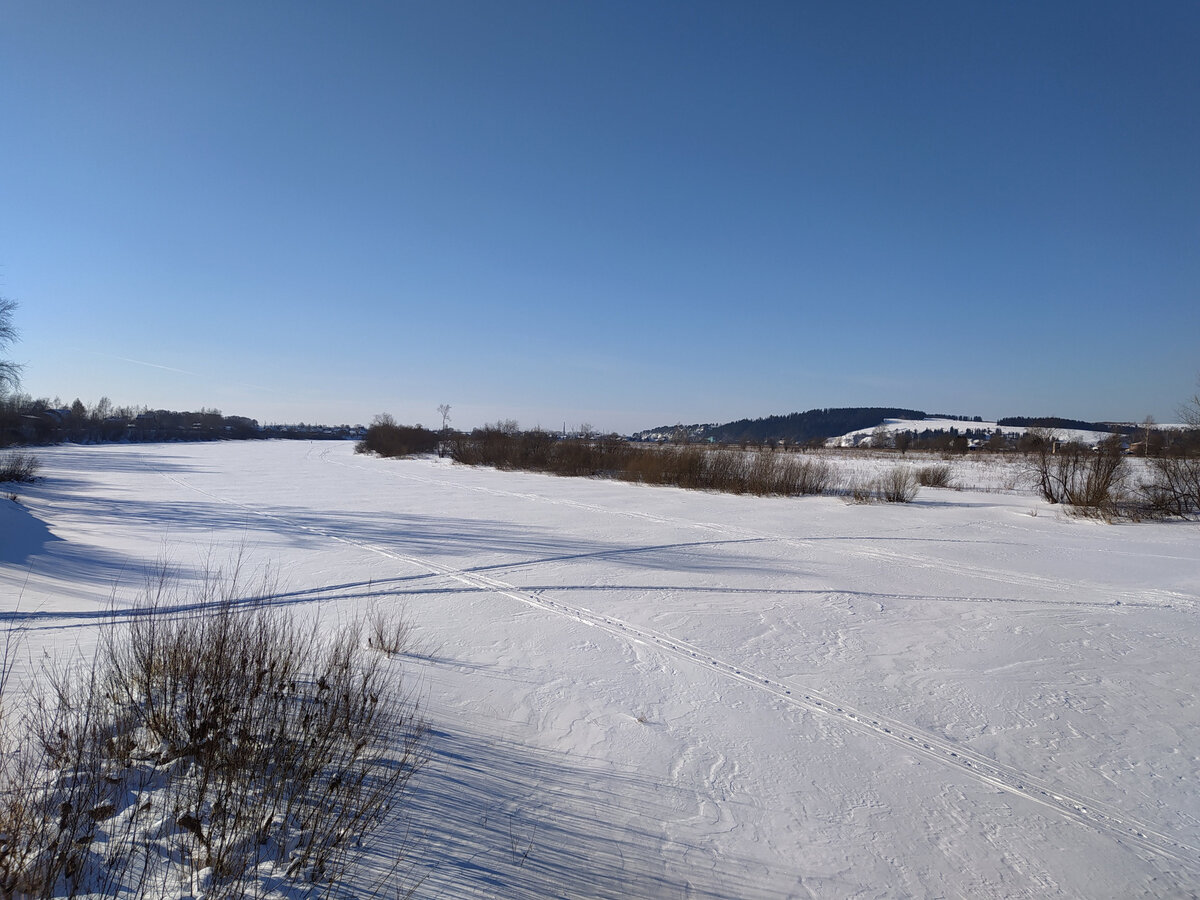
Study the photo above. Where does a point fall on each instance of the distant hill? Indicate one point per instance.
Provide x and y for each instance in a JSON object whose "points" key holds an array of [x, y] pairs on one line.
{"points": [[837, 422], [795, 428], [1054, 422], [976, 432]]}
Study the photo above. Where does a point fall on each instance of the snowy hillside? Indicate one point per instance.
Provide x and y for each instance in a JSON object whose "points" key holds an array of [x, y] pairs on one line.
{"points": [[648, 692], [891, 426]]}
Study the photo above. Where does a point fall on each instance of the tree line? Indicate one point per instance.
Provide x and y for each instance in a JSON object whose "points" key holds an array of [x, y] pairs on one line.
{"points": [[25, 420]]}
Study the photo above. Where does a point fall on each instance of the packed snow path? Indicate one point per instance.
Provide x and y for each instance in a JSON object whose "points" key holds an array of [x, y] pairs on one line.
{"points": [[648, 692]]}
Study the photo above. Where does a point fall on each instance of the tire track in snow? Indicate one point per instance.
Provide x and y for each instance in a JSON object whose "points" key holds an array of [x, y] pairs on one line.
{"points": [[1075, 808]]}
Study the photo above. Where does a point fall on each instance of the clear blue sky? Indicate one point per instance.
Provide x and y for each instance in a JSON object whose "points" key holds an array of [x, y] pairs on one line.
{"points": [[622, 213]]}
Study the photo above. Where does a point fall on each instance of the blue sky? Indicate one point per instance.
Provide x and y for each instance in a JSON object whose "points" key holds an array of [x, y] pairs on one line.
{"points": [[627, 214]]}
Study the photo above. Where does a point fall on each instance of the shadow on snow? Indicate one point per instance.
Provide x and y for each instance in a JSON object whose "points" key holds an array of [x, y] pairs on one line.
{"points": [[492, 818]]}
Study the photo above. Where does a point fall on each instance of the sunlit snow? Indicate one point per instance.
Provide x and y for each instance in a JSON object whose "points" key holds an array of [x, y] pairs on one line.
{"points": [[648, 692]]}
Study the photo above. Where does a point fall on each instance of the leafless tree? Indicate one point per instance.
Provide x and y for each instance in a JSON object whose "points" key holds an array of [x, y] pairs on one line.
{"points": [[1190, 411], [10, 372], [444, 412]]}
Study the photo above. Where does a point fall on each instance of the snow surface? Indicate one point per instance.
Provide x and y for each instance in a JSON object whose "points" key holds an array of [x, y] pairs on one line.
{"points": [[646, 692]]}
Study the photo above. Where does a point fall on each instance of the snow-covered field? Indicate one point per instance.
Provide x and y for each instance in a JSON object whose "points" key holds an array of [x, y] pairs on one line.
{"points": [[647, 692]]}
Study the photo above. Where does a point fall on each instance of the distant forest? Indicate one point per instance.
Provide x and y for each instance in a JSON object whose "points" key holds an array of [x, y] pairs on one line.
{"points": [[24, 420], [1056, 422], [796, 428]]}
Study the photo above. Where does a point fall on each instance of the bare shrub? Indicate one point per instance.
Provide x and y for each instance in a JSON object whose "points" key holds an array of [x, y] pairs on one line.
{"points": [[686, 467], [644, 466], [761, 474], [215, 740], [1099, 483], [533, 451], [860, 489], [389, 631], [19, 466], [787, 474], [386, 438], [18, 840], [1174, 486], [726, 471], [70, 778], [590, 457], [784, 474], [676, 465], [502, 446], [813, 476], [1089, 480], [934, 476], [1041, 447], [729, 470], [573, 458], [898, 485]]}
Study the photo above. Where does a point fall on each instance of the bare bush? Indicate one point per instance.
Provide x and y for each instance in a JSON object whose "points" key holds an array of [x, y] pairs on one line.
{"points": [[389, 631], [386, 438], [66, 778], [686, 467], [787, 474], [729, 470], [726, 471], [1174, 486], [677, 465], [19, 466], [217, 740], [1089, 480], [813, 476], [762, 474], [934, 476], [860, 489], [898, 485], [733, 471]]}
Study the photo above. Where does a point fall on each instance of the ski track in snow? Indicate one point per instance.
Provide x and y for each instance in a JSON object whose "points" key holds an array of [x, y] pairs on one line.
{"points": [[1156, 598], [1075, 808]]}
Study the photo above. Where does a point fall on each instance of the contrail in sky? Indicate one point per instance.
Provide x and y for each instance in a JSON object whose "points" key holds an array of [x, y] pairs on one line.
{"points": [[152, 365], [142, 362]]}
